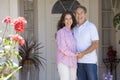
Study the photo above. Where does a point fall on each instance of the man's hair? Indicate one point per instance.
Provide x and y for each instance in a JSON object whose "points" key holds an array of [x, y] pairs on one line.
{"points": [[82, 7]]}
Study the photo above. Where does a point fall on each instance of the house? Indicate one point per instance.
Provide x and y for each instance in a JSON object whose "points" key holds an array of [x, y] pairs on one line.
{"points": [[42, 23]]}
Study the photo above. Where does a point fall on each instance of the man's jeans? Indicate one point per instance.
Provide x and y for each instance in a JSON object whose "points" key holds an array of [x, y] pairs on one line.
{"points": [[87, 71]]}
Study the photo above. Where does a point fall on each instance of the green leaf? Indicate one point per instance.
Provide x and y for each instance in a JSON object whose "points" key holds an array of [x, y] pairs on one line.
{"points": [[1, 54], [119, 27], [116, 20], [15, 53], [7, 41], [19, 57]]}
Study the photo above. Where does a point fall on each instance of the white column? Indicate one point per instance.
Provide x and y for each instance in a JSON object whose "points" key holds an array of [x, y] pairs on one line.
{"points": [[13, 12]]}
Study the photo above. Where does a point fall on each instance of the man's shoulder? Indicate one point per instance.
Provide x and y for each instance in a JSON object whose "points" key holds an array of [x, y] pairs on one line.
{"points": [[90, 24]]}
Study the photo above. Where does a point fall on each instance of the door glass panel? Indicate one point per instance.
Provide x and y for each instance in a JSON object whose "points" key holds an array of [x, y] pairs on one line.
{"points": [[28, 34], [106, 4], [28, 4], [104, 55], [107, 19], [106, 26], [106, 37], [64, 5], [29, 15]]}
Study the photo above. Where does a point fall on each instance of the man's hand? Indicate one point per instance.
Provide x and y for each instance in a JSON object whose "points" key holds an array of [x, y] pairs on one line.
{"points": [[80, 55]]}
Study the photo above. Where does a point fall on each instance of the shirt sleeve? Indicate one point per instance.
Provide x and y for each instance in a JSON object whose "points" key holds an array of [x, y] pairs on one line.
{"points": [[94, 33], [60, 39]]}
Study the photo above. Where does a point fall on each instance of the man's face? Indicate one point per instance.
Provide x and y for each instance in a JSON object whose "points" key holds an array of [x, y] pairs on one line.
{"points": [[80, 16]]}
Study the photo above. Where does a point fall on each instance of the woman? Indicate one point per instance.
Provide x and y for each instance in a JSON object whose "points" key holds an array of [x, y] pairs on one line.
{"points": [[66, 47]]}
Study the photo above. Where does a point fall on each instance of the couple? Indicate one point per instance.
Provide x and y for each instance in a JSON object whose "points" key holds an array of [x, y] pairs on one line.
{"points": [[76, 46]]}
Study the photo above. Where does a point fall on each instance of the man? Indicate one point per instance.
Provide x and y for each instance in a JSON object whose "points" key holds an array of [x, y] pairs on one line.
{"points": [[87, 39]]}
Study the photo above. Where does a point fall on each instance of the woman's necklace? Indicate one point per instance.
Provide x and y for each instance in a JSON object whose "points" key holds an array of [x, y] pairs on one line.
{"points": [[69, 8]]}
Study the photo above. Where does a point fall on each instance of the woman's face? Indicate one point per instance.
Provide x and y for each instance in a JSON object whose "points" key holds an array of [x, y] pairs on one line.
{"points": [[80, 16], [68, 21]]}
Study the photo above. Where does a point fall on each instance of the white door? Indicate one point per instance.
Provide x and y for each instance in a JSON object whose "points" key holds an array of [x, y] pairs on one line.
{"points": [[51, 26]]}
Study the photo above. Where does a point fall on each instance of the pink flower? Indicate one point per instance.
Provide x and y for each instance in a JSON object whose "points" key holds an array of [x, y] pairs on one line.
{"points": [[18, 38], [19, 24], [7, 20], [22, 41]]}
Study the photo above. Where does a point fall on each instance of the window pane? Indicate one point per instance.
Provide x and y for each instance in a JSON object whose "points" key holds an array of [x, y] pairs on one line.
{"points": [[106, 37], [63, 5], [104, 52], [29, 17], [28, 4], [107, 19], [106, 4], [28, 34]]}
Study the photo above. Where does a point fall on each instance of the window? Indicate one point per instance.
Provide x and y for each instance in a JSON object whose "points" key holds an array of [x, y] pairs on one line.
{"points": [[107, 27], [28, 11], [63, 5]]}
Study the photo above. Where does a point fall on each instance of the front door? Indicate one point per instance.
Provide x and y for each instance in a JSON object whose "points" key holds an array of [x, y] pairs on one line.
{"points": [[51, 26]]}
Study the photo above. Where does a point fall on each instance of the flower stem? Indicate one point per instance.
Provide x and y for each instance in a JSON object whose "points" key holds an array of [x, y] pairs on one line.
{"points": [[4, 34]]}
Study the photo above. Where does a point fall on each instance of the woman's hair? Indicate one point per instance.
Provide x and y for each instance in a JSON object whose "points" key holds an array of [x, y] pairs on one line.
{"points": [[61, 23]]}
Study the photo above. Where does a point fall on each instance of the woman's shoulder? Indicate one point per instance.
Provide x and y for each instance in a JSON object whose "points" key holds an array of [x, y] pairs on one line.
{"points": [[60, 30]]}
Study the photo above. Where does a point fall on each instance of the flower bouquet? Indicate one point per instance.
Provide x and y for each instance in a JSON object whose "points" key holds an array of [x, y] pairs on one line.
{"points": [[8, 47]]}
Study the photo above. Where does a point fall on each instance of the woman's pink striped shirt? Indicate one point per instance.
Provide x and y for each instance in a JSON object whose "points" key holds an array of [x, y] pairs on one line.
{"points": [[66, 47]]}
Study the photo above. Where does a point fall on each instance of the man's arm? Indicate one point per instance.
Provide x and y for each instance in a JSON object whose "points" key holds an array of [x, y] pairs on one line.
{"points": [[94, 45]]}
